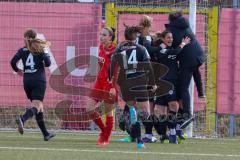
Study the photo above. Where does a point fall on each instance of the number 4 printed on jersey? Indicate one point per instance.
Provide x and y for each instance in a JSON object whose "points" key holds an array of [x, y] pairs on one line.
{"points": [[30, 62], [133, 58]]}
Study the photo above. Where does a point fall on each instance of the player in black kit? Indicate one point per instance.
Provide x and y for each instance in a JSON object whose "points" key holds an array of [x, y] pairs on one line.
{"points": [[135, 75], [34, 58], [170, 100]]}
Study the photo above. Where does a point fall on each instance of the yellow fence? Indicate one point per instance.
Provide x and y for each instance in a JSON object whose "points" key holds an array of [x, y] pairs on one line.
{"points": [[113, 11]]}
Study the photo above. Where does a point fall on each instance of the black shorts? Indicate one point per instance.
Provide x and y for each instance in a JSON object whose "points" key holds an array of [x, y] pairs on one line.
{"points": [[35, 90], [165, 99], [138, 94], [134, 87]]}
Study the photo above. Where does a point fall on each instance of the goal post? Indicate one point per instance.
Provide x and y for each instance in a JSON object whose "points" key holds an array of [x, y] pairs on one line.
{"points": [[113, 12]]}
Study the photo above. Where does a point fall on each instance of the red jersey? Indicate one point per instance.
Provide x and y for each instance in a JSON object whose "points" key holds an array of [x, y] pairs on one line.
{"points": [[104, 60]]}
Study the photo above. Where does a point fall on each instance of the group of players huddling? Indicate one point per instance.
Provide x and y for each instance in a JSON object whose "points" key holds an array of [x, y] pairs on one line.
{"points": [[151, 74]]}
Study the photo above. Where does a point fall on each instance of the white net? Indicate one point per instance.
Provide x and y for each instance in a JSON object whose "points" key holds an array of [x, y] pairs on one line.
{"points": [[73, 27]]}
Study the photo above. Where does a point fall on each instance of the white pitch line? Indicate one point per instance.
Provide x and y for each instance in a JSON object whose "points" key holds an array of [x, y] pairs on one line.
{"points": [[82, 138], [122, 152]]}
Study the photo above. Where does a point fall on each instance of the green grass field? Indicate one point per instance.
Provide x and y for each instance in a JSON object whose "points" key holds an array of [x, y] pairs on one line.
{"points": [[80, 146]]}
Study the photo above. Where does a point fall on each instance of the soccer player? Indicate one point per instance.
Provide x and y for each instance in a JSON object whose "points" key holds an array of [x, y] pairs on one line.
{"points": [[102, 86], [135, 74], [146, 40], [124, 124], [34, 58], [169, 101]]}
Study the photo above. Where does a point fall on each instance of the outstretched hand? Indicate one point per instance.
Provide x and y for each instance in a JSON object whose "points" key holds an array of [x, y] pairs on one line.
{"points": [[154, 88], [163, 46]]}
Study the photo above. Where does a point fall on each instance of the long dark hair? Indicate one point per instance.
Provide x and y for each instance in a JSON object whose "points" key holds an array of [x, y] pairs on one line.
{"points": [[130, 32], [159, 36]]}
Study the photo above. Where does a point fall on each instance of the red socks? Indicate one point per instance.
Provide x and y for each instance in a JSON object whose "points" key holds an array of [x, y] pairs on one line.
{"points": [[98, 120], [109, 127], [106, 130]]}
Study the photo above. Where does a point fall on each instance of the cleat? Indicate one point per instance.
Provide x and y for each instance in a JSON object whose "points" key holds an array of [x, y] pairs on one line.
{"points": [[154, 139], [49, 136], [101, 139], [126, 139], [164, 139], [140, 145], [19, 124], [180, 134], [187, 122], [173, 139], [106, 142], [149, 140]]}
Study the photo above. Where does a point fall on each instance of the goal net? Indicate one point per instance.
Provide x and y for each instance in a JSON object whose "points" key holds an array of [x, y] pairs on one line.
{"points": [[73, 27]]}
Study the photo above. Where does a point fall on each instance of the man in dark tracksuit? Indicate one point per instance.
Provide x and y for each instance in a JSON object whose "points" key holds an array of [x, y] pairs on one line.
{"points": [[190, 58]]}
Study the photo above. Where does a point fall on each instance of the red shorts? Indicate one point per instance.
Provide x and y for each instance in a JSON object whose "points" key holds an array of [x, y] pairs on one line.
{"points": [[100, 92]]}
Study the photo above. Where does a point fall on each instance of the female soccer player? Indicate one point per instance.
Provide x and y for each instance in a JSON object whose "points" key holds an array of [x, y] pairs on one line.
{"points": [[169, 101], [146, 40], [34, 60], [135, 71], [102, 86]]}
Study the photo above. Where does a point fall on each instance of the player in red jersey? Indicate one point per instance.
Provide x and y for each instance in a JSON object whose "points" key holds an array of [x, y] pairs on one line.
{"points": [[100, 92]]}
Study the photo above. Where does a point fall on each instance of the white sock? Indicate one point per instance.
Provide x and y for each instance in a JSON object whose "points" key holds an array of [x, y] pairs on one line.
{"points": [[173, 131]]}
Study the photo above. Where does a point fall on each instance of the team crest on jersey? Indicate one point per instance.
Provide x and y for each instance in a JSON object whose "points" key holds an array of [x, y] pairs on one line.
{"points": [[101, 59], [170, 92], [172, 56]]}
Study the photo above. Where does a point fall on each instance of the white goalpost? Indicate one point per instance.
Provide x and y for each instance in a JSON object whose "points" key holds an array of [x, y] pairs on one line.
{"points": [[192, 21]]}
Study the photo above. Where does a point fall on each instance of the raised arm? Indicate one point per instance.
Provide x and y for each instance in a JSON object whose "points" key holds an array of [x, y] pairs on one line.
{"points": [[171, 51]]}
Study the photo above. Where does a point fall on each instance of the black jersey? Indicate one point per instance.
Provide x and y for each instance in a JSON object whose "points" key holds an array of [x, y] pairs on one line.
{"points": [[33, 65], [141, 40], [147, 42], [133, 60], [168, 57]]}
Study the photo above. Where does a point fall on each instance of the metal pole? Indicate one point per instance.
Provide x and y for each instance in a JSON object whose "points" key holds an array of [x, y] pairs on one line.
{"points": [[235, 3], [192, 22], [232, 123]]}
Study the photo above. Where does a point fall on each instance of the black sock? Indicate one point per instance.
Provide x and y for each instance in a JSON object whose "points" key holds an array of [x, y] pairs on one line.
{"points": [[136, 132], [148, 125], [160, 124], [41, 124], [126, 109], [172, 120], [29, 114], [180, 116]]}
